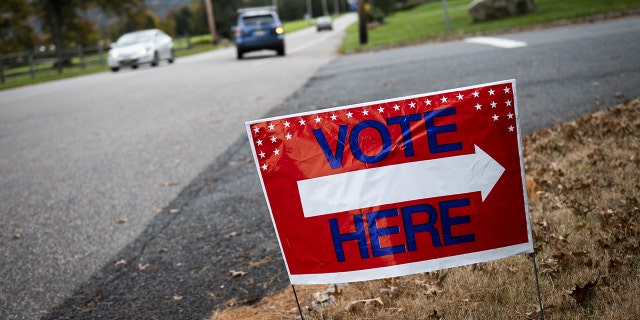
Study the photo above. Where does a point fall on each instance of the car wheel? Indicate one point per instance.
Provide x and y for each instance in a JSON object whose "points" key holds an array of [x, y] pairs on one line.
{"points": [[135, 66], [155, 59], [281, 50], [239, 54], [173, 56], [115, 69]]}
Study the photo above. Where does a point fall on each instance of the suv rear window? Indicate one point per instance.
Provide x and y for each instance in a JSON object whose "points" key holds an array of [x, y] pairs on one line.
{"points": [[258, 20]]}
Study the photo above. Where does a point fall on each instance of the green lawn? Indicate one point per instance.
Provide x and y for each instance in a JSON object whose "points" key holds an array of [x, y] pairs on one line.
{"points": [[427, 22]]}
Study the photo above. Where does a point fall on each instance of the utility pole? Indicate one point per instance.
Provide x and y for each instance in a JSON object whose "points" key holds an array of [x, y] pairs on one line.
{"points": [[446, 15], [336, 7], [309, 10], [212, 21], [362, 17], [324, 8]]}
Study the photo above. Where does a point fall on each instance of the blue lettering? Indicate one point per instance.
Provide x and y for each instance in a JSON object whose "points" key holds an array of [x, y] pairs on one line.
{"points": [[447, 222], [335, 160], [355, 143], [359, 235], [411, 229], [433, 130], [375, 233], [405, 126]]}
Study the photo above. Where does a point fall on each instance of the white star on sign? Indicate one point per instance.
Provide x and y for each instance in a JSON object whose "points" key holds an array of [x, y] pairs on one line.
{"points": [[261, 154], [478, 106], [460, 96], [444, 99], [365, 112], [508, 102], [495, 117], [287, 124], [349, 114], [510, 115], [428, 102], [506, 89], [256, 129], [381, 109], [317, 119], [334, 117], [491, 92], [396, 107], [276, 152], [271, 126], [264, 167], [259, 142], [302, 122], [476, 94], [412, 104], [511, 128], [493, 104], [274, 139], [288, 136]]}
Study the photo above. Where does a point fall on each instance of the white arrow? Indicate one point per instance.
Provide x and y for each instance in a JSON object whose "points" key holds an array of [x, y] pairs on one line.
{"points": [[402, 182]]}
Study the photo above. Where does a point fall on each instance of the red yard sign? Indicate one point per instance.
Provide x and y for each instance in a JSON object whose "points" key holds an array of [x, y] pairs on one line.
{"points": [[396, 187]]}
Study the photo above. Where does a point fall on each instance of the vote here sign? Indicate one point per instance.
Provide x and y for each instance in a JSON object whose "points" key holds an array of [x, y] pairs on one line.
{"points": [[396, 187]]}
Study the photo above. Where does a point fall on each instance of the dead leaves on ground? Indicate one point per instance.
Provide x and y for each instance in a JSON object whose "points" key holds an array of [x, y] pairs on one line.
{"points": [[580, 294]]}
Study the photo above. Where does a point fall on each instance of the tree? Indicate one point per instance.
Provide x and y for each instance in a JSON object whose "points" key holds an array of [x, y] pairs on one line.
{"points": [[15, 32], [62, 15]]}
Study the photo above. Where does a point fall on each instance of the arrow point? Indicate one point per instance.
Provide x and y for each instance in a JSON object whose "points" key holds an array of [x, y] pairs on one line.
{"points": [[487, 171]]}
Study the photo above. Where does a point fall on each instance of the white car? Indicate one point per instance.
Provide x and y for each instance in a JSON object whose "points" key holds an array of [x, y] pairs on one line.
{"points": [[140, 47]]}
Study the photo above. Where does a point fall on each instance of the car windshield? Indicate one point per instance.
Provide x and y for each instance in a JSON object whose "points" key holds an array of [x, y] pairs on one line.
{"points": [[137, 37], [258, 20]]}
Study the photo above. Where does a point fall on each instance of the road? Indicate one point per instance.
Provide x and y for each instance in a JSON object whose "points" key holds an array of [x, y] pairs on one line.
{"points": [[78, 156]]}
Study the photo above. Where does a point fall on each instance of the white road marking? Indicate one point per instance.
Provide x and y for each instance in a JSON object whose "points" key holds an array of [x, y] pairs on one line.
{"points": [[496, 42]]}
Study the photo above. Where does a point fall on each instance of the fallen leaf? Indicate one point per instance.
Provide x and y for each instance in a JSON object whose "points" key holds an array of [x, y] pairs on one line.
{"points": [[365, 302], [177, 297], [261, 262], [581, 294], [174, 211], [163, 250], [121, 220], [236, 274], [171, 183], [435, 315], [17, 236], [231, 234], [120, 262], [143, 267]]}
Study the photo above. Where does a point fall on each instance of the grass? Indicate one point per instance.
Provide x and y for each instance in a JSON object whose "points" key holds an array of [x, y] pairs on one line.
{"points": [[46, 72], [583, 179], [427, 22]]}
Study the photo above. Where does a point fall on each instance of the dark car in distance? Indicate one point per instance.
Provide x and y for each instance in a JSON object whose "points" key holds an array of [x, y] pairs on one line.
{"points": [[259, 29]]}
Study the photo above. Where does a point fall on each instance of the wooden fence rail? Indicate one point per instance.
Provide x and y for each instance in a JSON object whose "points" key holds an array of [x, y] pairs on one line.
{"points": [[31, 63]]}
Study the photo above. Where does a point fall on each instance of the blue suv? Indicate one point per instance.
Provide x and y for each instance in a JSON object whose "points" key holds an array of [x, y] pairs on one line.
{"points": [[259, 29]]}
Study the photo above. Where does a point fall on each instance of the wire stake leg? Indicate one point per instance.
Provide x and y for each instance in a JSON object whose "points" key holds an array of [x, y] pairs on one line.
{"points": [[535, 270], [298, 303]]}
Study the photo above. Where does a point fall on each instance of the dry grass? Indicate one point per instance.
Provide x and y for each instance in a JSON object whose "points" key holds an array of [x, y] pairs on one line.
{"points": [[584, 180]]}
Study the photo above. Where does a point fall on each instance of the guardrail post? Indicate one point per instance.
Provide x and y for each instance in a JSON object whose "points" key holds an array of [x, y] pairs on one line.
{"points": [[81, 53], [101, 52], [32, 70], [2, 70]]}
